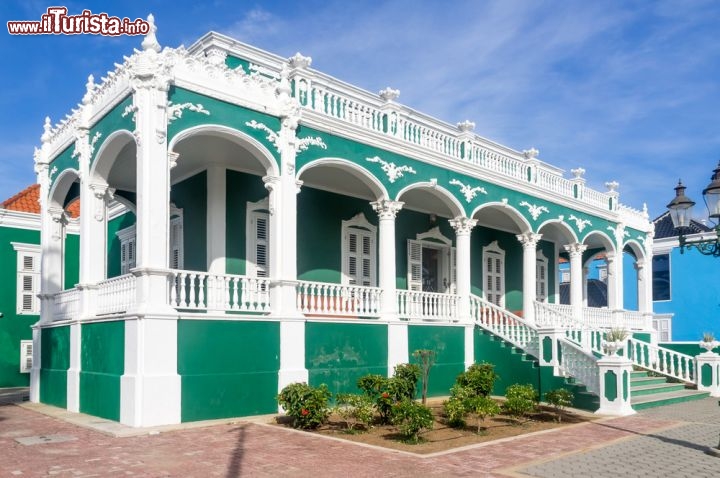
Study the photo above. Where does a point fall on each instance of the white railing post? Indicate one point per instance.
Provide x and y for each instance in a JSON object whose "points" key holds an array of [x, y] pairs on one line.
{"points": [[549, 355], [615, 372], [707, 373]]}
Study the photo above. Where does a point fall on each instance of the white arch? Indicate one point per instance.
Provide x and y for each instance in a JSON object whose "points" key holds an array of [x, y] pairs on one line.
{"points": [[606, 241], [570, 233], [455, 206], [636, 248], [61, 186], [258, 150], [358, 171], [520, 221], [110, 148]]}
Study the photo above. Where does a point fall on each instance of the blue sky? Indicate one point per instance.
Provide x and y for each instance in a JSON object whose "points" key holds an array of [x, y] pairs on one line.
{"points": [[628, 90]]}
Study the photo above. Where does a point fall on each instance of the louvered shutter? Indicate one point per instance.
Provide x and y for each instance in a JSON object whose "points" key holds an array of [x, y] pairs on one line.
{"points": [[26, 356], [176, 243], [414, 265], [453, 271], [28, 284], [261, 245], [352, 257]]}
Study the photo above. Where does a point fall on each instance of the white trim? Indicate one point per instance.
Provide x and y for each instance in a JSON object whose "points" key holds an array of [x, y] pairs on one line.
{"points": [[19, 219], [664, 318], [541, 278], [447, 270], [257, 211], [494, 276], [365, 250]]}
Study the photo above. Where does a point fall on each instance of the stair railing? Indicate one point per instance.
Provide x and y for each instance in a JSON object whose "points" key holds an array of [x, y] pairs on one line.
{"points": [[580, 364], [505, 324]]}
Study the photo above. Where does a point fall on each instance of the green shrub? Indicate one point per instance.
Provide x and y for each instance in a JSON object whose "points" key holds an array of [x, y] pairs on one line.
{"points": [[372, 385], [411, 418], [455, 407], [559, 399], [426, 358], [405, 378], [521, 400], [306, 405], [482, 407], [479, 377], [355, 410]]}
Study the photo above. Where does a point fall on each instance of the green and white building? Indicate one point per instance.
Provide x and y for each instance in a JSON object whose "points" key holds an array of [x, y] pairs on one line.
{"points": [[248, 222]]}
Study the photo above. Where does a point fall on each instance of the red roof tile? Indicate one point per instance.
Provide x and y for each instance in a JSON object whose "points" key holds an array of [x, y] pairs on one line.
{"points": [[27, 201]]}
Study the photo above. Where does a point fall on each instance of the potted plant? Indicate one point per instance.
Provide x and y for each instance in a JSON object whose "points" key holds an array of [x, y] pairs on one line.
{"points": [[708, 342], [614, 340]]}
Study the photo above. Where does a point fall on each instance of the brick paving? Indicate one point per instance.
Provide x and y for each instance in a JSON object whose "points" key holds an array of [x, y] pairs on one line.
{"points": [[251, 449]]}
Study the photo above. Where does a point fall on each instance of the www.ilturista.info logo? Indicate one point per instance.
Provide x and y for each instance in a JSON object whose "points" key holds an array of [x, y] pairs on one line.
{"points": [[57, 22]]}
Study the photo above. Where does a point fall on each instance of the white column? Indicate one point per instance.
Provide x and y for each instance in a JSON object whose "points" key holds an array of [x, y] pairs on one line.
{"points": [[585, 273], [615, 271], [576, 251], [469, 345], [73, 373], [463, 227], [150, 386], [215, 235], [529, 242], [397, 345], [387, 211]]}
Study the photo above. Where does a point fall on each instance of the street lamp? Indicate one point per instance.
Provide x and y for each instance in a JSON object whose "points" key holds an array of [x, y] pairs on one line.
{"points": [[681, 214]]}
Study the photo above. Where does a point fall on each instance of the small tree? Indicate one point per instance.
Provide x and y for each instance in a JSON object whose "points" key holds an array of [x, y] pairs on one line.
{"points": [[482, 407], [306, 405], [377, 389], [354, 410], [559, 399], [406, 376], [479, 377], [456, 407], [521, 400], [411, 418], [427, 359]]}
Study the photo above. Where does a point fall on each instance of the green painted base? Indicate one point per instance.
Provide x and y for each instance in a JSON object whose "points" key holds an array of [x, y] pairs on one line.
{"points": [[669, 401]]}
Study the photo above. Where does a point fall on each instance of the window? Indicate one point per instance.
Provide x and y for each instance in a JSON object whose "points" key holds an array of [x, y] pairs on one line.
{"points": [[257, 230], [26, 356], [663, 324], [541, 277], [128, 249], [358, 251], [128, 243], [431, 263], [176, 243], [564, 276], [661, 277], [28, 278], [494, 274]]}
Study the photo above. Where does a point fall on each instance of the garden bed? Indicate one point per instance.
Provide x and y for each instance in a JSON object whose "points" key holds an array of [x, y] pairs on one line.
{"points": [[444, 437]]}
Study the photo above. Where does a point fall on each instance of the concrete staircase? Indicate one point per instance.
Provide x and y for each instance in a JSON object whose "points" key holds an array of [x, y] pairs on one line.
{"points": [[648, 392]]}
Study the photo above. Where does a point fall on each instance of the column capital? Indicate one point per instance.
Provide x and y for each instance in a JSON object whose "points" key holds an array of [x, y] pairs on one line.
{"points": [[463, 225], [387, 209], [529, 239], [575, 249], [271, 182]]}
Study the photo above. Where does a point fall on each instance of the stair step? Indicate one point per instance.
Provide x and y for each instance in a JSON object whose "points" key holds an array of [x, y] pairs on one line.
{"points": [[660, 399], [642, 381], [638, 373], [655, 389]]}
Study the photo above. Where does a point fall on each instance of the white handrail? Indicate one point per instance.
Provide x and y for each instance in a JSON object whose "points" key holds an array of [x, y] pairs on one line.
{"points": [[436, 306], [661, 360], [580, 364], [194, 290], [116, 295], [321, 298], [504, 324]]}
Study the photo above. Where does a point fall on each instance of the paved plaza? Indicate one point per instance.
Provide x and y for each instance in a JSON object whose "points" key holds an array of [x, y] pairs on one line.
{"points": [[36, 440]]}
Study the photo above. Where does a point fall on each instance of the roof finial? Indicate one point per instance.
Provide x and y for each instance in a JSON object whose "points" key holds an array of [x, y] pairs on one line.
{"points": [[89, 88], [150, 42], [47, 127]]}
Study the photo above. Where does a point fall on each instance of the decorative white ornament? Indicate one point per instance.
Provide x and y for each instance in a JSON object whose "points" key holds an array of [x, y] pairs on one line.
{"points": [[468, 192], [619, 232], [53, 171], [534, 209], [300, 145], [176, 111], [580, 223], [389, 94], [128, 110], [391, 169]]}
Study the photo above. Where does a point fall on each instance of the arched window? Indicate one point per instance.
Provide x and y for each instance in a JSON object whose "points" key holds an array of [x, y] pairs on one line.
{"points": [[358, 251], [494, 274]]}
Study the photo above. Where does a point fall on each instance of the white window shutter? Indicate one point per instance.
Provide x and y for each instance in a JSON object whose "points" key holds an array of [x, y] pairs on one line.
{"points": [[453, 271], [258, 242], [26, 356], [414, 264], [27, 278], [358, 261]]}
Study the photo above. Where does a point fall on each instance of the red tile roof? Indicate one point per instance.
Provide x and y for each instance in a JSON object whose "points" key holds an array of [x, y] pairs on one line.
{"points": [[27, 201]]}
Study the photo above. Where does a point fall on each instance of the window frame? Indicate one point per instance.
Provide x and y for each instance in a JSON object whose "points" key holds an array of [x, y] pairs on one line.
{"points": [[494, 250], [23, 251], [254, 211], [359, 225]]}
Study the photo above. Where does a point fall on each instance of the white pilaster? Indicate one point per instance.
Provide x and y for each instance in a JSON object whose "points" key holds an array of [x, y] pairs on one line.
{"points": [[708, 373], [387, 211], [292, 353], [73, 373], [215, 234], [615, 271], [529, 242], [35, 370], [463, 227], [397, 345], [549, 355], [469, 345]]}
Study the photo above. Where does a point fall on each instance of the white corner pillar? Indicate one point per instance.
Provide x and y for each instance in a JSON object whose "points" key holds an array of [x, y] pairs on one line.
{"points": [[150, 385], [469, 345], [615, 372], [463, 227], [387, 277], [549, 355], [586, 272], [708, 373], [397, 345], [215, 236], [73, 373], [576, 293], [529, 242]]}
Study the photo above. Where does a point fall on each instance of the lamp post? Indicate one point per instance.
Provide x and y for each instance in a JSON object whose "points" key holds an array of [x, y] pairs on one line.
{"points": [[681, 214]]}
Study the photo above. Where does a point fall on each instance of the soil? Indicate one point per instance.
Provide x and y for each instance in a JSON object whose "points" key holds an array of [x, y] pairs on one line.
{"points": [[443, 437]]}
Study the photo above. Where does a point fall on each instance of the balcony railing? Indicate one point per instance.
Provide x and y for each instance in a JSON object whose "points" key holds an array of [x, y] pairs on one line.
{"points": [[321, 298], [561, 315], [434, 306], [116, 295], [66, 305], [191, 290]]}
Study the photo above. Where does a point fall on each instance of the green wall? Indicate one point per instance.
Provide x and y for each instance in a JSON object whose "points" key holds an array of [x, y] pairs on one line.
{"points": [[241, 188], [337, 354], [449, 346], [13, 327], [113, 243], [72, 261], [320, 214], [228, 368], [102, 363], [54, 363], [482, 237], [190, 195]]}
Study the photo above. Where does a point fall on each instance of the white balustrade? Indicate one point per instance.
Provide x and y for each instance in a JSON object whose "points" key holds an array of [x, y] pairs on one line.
{"points": [[66, 305], [116, 295], [504, 324], [580, 364], [192, 290], [661, 360], [433, 306], [321, 298], [635, 320]]}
